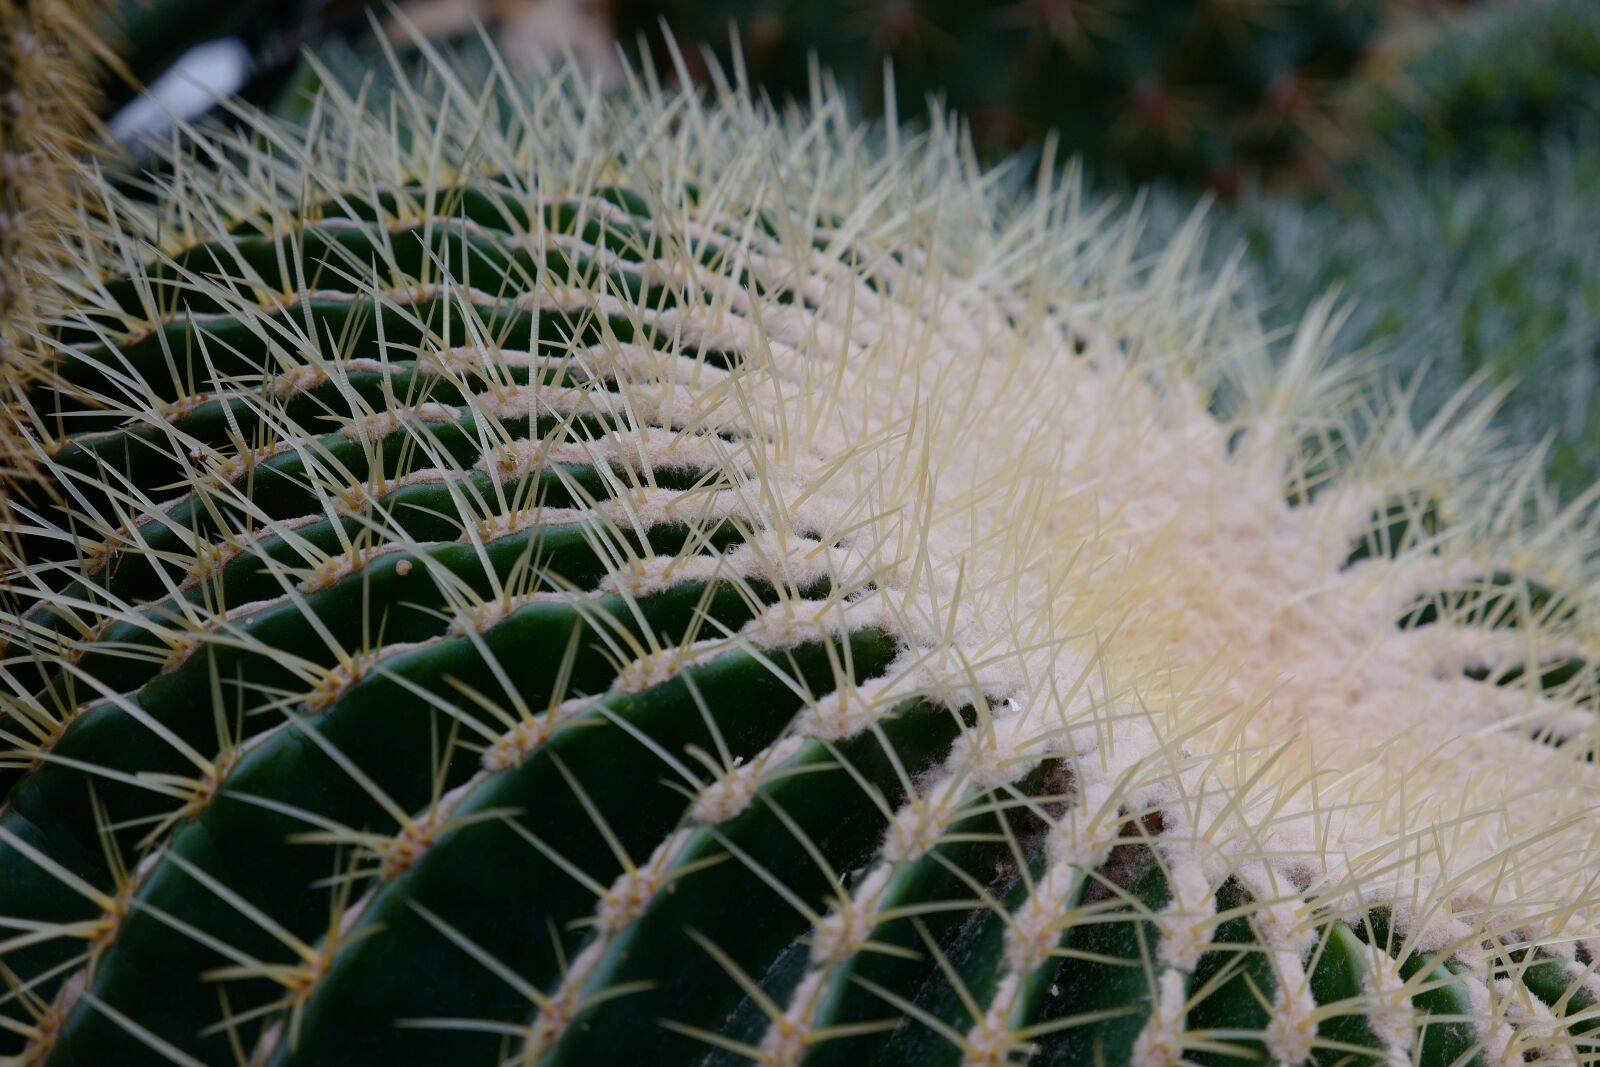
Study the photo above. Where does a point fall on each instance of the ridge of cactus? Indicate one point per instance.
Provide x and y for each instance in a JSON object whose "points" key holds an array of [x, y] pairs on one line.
{"points": [[530, 575]]}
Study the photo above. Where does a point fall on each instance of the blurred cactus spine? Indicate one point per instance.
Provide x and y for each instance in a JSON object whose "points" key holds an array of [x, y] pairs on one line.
{"points": [[48, 55]]}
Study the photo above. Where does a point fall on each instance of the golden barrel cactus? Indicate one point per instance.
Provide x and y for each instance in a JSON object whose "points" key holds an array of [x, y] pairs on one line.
{"points": [[548, 577]]}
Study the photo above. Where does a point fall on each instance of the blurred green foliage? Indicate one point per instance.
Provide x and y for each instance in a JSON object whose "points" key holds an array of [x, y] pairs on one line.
{"points": [[1495, 88], [1494, 272], [1469, 241], [1214, 92]]}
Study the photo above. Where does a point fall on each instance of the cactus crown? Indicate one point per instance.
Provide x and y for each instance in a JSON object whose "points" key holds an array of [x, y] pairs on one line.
{"points": [[539, 576]]}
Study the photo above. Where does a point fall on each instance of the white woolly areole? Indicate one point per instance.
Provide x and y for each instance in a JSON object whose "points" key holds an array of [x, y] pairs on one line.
{"points": [[846, 927], [784, 1043], [527, 734], [846, 711], [918, 826], [1390, 1015], [793, 623], [1086, 831], [649, 671], [1160, 1043], [1494, 1035], [1035, 927], [1188, 923], [991, 1041], [633, 889], [1278, 922], [554, 1018], [730, 794], [1005, 752], [1292, 1027], [1538, 1030]]}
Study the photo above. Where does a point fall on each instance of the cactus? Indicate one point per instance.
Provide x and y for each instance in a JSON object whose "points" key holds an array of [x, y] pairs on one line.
{"points": [[553, 578], [1217, 93]]}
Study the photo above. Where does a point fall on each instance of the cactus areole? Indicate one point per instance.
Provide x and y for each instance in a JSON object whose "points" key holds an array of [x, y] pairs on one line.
{"points": [[540, 577]]}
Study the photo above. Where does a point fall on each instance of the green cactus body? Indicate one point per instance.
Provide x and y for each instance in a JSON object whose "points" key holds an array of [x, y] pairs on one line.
{"points": [[511, 583]]}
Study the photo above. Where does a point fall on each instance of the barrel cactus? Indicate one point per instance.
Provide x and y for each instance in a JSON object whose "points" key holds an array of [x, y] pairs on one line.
{"points": [[527, 575]]}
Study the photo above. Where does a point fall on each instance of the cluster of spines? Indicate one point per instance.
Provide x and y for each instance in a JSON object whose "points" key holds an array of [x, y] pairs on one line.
{"points": [[340, 470]]}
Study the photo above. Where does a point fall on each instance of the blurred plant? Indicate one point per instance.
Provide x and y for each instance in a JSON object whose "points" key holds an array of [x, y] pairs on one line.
{"points": [[1446, 276], [150, 35], [530, 35], [1466, 244], [1497, 83], [1210, 91], [272, 40]]}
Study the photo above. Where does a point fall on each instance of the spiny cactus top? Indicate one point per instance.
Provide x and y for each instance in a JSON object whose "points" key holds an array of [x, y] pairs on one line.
{"points": [[574, 579]]}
